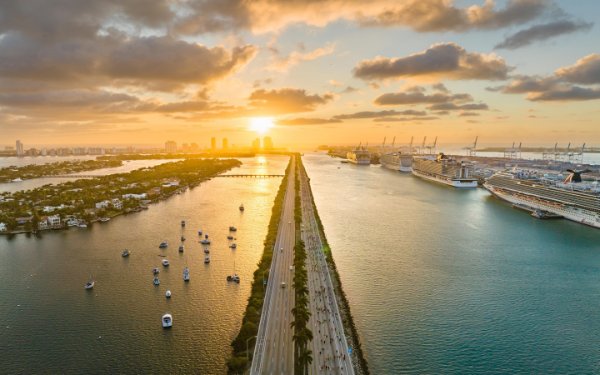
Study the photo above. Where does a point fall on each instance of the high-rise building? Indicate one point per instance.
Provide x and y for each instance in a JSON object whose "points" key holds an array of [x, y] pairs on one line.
{"points": [[256, 144], [170, 147], [213, 143], [225, 144], [194, 147], [267, 143], [20, 151]]}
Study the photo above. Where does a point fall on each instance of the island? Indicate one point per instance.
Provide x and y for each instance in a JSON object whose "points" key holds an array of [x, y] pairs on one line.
{"points": [[83, 201], [26, 172]]}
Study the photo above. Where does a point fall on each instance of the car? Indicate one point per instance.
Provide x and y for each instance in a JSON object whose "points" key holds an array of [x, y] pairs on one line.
{"points": [[281, 249], [283, 284], [291, 268]]}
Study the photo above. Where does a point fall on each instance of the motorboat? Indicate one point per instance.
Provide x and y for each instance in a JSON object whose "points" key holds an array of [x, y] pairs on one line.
{"points": [[186, 274], [104, 219], [233, 246], [156, 281], [155, 271], [181, 248], [182, 223], [168, 294], [205, 241], [242, 207], [90, 284], [206, 250], [165, 263], [125, 253], [230, 237], [163, 245], [232, 229], [167, 321], [182, 238], [82, 225], [18, 179], [235, 278], [200, 232], [206, 259]]}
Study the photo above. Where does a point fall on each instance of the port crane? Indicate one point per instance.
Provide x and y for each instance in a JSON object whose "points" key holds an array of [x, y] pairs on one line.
{"points": [[432, 147], [472, 150], [513, 153]]}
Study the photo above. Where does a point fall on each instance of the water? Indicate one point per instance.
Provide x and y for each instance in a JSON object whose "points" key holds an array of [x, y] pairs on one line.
{"points": [[128, 166], [447, 281], [50, 324]]}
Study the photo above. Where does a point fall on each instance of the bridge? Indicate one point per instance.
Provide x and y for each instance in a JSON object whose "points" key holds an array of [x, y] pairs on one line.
{"points": [[251, 175]]}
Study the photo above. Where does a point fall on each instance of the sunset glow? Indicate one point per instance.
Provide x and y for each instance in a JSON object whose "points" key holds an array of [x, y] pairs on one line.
{"points": [[261, 125]]}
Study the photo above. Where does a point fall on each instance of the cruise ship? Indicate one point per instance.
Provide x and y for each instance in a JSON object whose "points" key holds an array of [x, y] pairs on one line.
{"points": [[445, 170], [572, 199], [359, 156], [397, 161]]}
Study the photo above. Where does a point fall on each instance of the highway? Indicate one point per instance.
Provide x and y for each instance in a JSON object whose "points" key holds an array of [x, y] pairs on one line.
{"points": [[329, 346], [274, 350]]}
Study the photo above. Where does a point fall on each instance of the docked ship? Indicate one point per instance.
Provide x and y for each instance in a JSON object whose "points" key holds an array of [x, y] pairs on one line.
{"points": [[445, 170], [359, 156], [397, 161], [573, 198]]}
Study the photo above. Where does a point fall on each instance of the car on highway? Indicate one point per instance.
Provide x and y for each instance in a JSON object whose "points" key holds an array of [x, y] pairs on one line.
{"points": [[281, 249], [283, 284]]}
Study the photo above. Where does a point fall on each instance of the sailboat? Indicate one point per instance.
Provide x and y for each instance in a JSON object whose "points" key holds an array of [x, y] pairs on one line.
{"points": [[235, 278]]}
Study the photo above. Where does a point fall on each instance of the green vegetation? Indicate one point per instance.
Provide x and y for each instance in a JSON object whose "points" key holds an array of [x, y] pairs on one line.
{"points": [[347, 319], [231, 154], [89, 199], [302, 334], [59, 168], [241, 354]]}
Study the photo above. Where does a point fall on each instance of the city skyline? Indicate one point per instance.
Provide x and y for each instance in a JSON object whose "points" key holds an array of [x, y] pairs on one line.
{"points": [[327, 73]]}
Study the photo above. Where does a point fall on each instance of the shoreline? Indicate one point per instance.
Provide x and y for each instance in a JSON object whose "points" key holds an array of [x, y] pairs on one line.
{"points": [[361, 367]]}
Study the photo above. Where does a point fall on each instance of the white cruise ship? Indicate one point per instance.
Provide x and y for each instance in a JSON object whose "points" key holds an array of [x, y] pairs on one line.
{"points": [[397, 161], [572, 199], [359, 156], [445, 170]]}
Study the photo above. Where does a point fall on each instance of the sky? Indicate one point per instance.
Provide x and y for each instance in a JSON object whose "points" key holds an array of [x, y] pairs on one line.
{"points": [[331, 72]]}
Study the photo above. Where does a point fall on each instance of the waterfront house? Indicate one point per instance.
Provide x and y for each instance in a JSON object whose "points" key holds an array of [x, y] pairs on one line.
{"points": [[3, 227], [43, 224], [134, 196], [154, 191], [54, 221], [103, 204], [117, 204]]}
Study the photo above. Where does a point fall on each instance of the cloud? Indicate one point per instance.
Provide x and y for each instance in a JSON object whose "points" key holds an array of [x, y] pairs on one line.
{"points": [[585, 71], [286, 100], [376, 114], [573, 93], [441, 15], [454, 107], [308, 121], [444, 60], [406, 119], [542, 32], [401, 98], [348, 90], [284, 63]]}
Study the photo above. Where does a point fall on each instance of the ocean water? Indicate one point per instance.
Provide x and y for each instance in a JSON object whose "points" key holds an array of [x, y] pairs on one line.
{"points": [[50, 324], [447, 281]]}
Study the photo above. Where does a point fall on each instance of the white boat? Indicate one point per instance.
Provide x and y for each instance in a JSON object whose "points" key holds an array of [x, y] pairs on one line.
{"points": [[397, 161], [168, 294], [167, 321], [155, 271], [156, 281], [163, 245], [125, 253], [206, 259], [186, 274], [235, 278], [165, 263], [90, 284], [82, 225], [18, 179]]}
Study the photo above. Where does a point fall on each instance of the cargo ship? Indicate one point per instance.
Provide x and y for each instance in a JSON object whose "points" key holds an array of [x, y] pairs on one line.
{"points": [[573, 198], [445, 170]]}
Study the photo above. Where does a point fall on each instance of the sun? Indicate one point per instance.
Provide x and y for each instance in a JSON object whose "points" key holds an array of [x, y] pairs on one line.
{"points": [[261, 125]]}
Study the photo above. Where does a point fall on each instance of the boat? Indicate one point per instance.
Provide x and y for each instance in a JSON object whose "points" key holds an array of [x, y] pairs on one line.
{"points": [[165, 263], [163, 245], [233, 246], [232, 229], [230, 237], [200, 232], [206, 259], [156, 281], [186, 274], [155, 271], [235, 278], [445, 170], [182, 223], [182, 238], [181, 248], [82, 224], [18, 179], [205, 241], [359, 156], [397, 161], [168, 294], [90, 283], [206, 250], [242, 207], [125, 253], [544, 215], [104, 219], [167, 321], [573, 198]]}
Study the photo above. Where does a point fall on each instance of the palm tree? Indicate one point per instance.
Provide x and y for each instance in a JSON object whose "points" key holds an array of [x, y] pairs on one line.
{"points": [[305, 358]]}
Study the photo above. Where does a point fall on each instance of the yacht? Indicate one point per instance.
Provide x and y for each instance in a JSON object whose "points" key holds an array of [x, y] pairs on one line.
{"points": [[163, 245], [205, 241], [155, 271], [182, 223], [167, 321], [165, 263], [181, 248], [82, 224], [104, 219], [168, 294], [206, 250], [200, 232], [232, 229], [235, 278], [125, 253], [156, 281], [18, 179], [90, 284], [186, 274], [206, 259], [233, 246], [182, 238], [230, 237], [242, 207]]}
